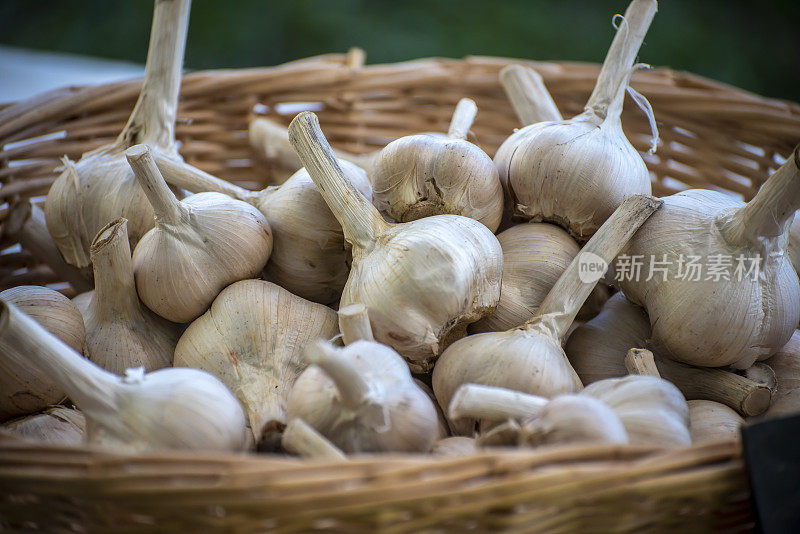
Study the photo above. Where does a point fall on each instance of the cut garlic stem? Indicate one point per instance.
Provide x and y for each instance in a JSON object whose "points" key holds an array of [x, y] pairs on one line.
{"points": [[462, 120], [303, 440], [492, 403], [354, 391], [354, 323], [197, 181], [641, 362], [167, 207], [563, 302], [529, 97], [616, 68]]}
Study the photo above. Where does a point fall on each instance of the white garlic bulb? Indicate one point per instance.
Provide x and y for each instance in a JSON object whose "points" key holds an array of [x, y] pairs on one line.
{"points": [[198, 246], [454, 446], [252, 338], [24, 389], [431, 174], [58, 425], [576, 172], [535, 255], [363, 399], [741, 300], [653, 410], [101, 187], [423, 282], [309, 256], [529, 358], [121, 333], [173, 408]]}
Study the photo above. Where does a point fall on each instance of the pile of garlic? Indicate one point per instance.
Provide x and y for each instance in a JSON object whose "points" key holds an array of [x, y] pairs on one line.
{"points": [[422, 298]]}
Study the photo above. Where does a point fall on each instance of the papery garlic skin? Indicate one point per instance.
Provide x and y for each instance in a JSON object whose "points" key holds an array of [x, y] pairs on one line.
{"points": [[431, 174], [653, 411], [24, 389], [252, 339], [395, 415], [101, 187], [173, 408], [573, 419], [454, 446], [58, 425], [707, 322], [711, 421], [121, 333], [534, 256]]}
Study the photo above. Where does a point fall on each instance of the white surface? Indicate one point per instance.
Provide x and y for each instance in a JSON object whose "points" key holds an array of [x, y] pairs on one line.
{"points": [[25, 73]]}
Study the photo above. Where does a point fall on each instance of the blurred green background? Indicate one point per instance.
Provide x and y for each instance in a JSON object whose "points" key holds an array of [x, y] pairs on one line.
{"points": [[748, 44]]}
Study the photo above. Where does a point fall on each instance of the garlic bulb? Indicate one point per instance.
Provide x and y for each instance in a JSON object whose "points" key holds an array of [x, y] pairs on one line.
{"points": [[786, 364], [793, 245], [534, 256], [58, 425], [597, 350], [121, 333], [535, 420], [271, 140], [529, 358], [173, 408], [423, 282], [26, 225], [363, 399], [301, 439], [746, 303], [309, 256], [454, 446], [653, 410], [528, 95], [101, 187], [711, 421], [431, 174], [576, 172], [251, 338], [24, 389], [197, 248]]}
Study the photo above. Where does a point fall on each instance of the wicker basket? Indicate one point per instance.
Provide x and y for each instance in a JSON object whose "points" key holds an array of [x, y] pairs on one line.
{"points": [[713, 136]]}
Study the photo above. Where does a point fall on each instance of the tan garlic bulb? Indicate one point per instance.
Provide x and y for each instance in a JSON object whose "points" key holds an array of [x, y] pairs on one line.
{"points": [[653, 410], [529, 358], [432, 174], [597, 350], [121, 332], [271, 140], [58, 425], [198, 247], [711, 421], [535, 255], [172, 408], [424, 281], [576, 172], [746, 303], [252, 338], [309, 256], [26, 225], [363, 399], [101, 187], [24, 389], [535, 420]]}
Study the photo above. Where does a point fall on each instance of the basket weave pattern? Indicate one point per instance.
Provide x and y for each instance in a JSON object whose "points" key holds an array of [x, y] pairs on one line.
{"points": [[712, 136]]}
